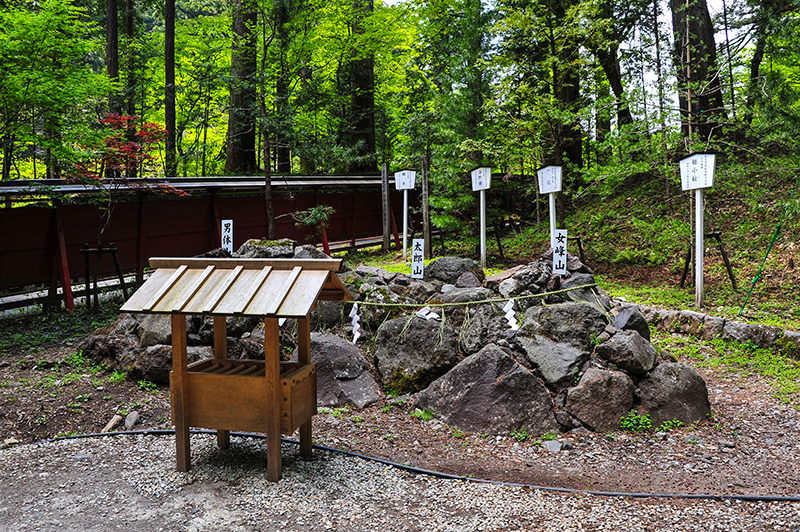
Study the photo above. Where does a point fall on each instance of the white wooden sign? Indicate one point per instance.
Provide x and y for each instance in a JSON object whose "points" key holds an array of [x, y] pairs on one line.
{"points": [[417, 258], [560, 252], [697, 171], [481, 178], [405, 180], [227, 235], [549, 179]]}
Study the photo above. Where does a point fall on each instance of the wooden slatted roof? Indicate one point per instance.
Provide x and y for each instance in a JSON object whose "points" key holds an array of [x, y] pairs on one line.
{"points": [[246, 287]]}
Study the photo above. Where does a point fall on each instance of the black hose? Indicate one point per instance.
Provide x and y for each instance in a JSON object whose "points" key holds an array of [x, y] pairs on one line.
{"points": [[437, 474]]}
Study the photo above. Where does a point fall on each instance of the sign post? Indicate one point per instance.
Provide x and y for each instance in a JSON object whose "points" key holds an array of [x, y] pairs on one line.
{"points": [[418, 258], [405, 181], [550, 184], [482, 180], [697, 173], [227, 235]]}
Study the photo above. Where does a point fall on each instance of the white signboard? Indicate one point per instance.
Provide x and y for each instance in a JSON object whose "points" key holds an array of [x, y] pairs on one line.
{"points": [[417, 258], [481, 178], [560, 252], [549, 179], [697, 171], [405, 180], [227, 235]]}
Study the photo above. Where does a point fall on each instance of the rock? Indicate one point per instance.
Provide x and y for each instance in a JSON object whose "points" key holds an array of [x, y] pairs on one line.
{"points": [[490, 392], [329, 314], [343, 376], [413, 289], [492, 282], [629, 352], [574, 323], [372, 272], [218, 253], [307, 251], [673, 391], [383, 304], [790, 343], [131, 420], [760, 335], [154, 329], [449, 269], [460, 295], [552, 446], [487, 325], [468, 280], [411, 355], [590, 295], [601, 399], [712, 327], [558, 363], [630, 318], [267, 249]]}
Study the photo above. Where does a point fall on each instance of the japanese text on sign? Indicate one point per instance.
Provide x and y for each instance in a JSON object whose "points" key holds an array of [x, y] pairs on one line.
{"points": [[405, 180], [560, 252], [697, 171], [481, 178], [417, 258], [227, 235], [549, 179]]}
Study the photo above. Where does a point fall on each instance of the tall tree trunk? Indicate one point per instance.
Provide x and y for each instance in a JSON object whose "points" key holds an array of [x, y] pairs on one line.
{"points": [[699, 89], [112, 52], [171, 168], [282, 148], [241, 139], [362, 96], [609, 60], [130, 94]]}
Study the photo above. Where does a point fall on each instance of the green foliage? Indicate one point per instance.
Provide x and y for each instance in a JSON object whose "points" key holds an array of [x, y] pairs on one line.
{"points": [[422, 415], [635, 422], [117, 377], [520, 435], [147, 386], [668, 426]]}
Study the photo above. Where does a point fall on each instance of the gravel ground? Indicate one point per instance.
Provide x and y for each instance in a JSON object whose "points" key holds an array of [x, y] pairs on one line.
{"points": [[129, 482]]}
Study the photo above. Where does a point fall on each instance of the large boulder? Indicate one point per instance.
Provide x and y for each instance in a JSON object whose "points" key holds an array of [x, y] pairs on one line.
{"points": [[559, 363], [601, 399], [487, 325], [760, 335], [343, 376], [580, 289], [267, 249], [410, 353], [630, 318], [449, 269], [673, 391], [490, 392], [384, 304], [576, 323], [629, 352]]}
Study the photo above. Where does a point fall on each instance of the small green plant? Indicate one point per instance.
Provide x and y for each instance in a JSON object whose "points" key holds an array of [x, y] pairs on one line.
{"points": [[77, 359], [85, 397], [75, 408], [338, 413], [520, 435], [117, 377], [549, 436], [458, 433], [148, 386], [393, 393], [422, 415], [635, 422], [670, 425], [41, 421]]}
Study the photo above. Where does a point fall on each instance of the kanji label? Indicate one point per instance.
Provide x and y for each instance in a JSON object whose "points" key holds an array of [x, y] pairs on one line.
{"points": [[417, 258], [227, 235], [481, 178], [405, 180], [697, 171], [560, 252], [549, 179]]}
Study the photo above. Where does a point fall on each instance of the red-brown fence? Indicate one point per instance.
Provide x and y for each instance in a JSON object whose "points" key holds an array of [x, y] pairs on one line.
{"points": [[35, 238]]}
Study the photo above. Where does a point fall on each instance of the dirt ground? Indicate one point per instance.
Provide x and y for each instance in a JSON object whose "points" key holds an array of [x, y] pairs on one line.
{"points": [[749, 447]]}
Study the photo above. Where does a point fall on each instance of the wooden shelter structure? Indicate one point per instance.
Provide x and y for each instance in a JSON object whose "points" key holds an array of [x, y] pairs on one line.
{"points": [[223, 394]]}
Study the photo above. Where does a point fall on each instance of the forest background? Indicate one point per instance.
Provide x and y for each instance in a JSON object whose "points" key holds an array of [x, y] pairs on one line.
{"points": [[614, 92]]}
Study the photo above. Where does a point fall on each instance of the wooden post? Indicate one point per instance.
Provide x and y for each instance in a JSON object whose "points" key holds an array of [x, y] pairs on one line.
{"points": [[385, 206], [66, 284], [180, 404], [221, 351], [304, 357], [426, 209], [272, 371]]}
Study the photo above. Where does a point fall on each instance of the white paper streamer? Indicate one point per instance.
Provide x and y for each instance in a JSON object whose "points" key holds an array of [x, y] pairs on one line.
{"points": [[427, 314], [356, 326], [509, 310]]}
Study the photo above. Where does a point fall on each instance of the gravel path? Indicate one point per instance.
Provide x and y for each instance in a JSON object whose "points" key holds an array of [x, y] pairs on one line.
{"points": [[129, 483]]}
